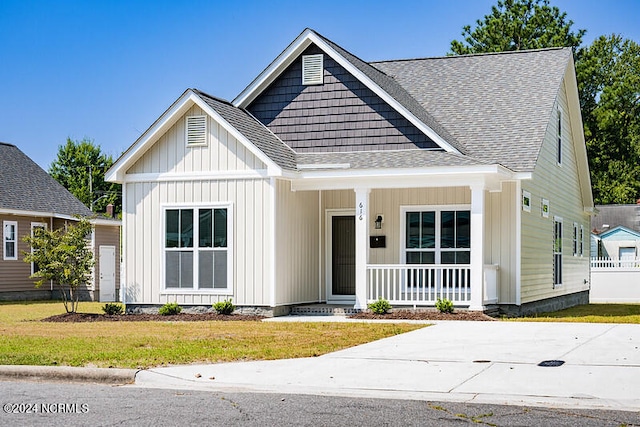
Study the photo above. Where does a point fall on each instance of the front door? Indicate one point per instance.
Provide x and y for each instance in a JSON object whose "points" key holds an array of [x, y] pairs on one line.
{"points": [[107, 262], [343, 258]]}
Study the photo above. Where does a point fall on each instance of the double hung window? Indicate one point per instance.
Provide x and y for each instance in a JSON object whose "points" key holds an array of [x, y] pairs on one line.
{"points": [[10, 240], [437, 237], [196, 248], [557, 251]]}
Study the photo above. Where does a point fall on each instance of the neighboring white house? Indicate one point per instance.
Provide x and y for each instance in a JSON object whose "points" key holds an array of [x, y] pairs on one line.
{"points": [[330, 179]]}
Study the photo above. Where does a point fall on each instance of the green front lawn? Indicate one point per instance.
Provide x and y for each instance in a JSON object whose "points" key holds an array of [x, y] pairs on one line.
{"points": [[25, 340], [591, 313]]}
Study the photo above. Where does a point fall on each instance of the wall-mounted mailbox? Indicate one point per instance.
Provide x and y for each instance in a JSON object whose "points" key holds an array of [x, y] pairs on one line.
{"points": [[377, 241]]}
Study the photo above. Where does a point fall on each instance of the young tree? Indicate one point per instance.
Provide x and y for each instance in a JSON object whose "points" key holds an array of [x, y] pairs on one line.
{"points": [[63, 256], [80, 167], [608, 74], [518, 25]]}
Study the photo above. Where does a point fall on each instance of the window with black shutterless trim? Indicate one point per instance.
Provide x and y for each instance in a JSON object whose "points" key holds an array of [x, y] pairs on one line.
{"points": [[196, 248]]}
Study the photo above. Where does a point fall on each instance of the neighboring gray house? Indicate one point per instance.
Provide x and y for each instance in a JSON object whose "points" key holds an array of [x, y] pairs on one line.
{"points": [[31, 198], [331, 179]]}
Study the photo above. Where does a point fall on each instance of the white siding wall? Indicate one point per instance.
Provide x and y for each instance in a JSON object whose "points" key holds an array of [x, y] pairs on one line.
{"points": [[144, 222], [297, 245], [561, 186]]}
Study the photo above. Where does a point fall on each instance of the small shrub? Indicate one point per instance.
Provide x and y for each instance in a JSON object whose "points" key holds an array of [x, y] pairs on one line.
{"points": [[113, 309], [444, 305], [381, 306], [224, 307], [169, 309]]}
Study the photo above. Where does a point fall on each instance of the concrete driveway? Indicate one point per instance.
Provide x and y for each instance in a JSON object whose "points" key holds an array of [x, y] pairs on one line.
{"points": [[483, 362]]}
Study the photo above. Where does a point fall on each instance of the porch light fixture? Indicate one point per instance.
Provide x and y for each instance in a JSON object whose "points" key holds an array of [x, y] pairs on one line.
{"points": [[379, 222]]}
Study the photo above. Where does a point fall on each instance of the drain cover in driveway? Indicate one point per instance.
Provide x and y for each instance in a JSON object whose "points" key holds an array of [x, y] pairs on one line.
{"points": [[551, 363]]}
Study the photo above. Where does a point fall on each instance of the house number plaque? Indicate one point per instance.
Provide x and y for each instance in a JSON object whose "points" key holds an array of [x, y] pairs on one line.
{"points": [[361, 211]]}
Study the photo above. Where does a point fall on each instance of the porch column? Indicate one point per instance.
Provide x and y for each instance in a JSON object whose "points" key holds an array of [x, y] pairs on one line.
{"points": [[477, 247], [362, 247]]}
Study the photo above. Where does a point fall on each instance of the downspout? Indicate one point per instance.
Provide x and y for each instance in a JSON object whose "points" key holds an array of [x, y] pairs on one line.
{"points": [[51, 225], [320, 222]]}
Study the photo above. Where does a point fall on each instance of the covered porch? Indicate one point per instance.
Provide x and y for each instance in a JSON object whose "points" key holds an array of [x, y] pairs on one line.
{"points": [[408, 239]]}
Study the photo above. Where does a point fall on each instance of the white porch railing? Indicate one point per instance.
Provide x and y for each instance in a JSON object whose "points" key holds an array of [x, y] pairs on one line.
{"points": [[419, 284], [615, 263]]}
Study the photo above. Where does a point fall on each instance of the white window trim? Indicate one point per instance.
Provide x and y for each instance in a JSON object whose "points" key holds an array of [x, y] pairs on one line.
{"points": [[543, 203], [15, 240], [230, 250], [427, 208], [34, 225], [526, 197], [205, 137]]}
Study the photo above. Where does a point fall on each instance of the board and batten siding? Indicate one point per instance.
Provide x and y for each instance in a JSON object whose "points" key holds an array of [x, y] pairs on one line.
{"points": [[297, 245], [560, 185], [249, 196], [171, 153]]}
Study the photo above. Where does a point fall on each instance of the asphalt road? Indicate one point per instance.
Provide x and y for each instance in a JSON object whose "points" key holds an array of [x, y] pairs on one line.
{"points": [[63, 404]]}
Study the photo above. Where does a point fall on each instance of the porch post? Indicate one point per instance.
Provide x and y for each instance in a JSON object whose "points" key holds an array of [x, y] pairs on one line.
{"points": [[362, 248], [477, 247]]}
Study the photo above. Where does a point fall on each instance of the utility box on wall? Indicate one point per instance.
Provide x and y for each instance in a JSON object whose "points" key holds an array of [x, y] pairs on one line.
{"points": [[377, 241]]}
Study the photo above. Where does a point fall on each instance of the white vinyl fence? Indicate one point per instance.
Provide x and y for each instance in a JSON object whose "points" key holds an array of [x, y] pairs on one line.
{"points": [[615, 280]]}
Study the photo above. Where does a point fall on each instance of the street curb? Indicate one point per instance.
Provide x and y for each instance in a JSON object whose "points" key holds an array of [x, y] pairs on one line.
{"points": [[68, 374]]}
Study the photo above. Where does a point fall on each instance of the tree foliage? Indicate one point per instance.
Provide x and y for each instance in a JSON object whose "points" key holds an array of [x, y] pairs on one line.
{"points": [[63, 256], [608, 73], [518, 25], [80, 167]]}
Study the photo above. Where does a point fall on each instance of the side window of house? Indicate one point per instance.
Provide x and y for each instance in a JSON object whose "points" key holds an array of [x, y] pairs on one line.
{"points": [[557, 251], [576, 248], [438, 237], [10, 239], [196, 248], [559, 147]]}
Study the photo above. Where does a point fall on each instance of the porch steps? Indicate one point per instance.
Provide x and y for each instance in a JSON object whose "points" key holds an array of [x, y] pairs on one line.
{"points": [[322, 310]]}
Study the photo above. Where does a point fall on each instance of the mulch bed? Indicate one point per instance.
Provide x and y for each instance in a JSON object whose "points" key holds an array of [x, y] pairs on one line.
{"points": [[143, 317], [425, 315], [199, 317]]}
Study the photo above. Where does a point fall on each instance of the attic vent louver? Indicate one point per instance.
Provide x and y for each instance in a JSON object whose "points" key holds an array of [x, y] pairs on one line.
{"points": [[312, 70], [196, 130]]}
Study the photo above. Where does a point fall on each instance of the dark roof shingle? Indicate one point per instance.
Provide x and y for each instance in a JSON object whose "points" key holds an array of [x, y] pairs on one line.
{"points": [[25, 186]]}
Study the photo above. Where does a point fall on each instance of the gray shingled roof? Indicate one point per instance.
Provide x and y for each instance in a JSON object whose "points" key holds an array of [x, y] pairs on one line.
{"points": [[25, 186], [615, 215], [255, 131], [497, 106], [414, 158]]}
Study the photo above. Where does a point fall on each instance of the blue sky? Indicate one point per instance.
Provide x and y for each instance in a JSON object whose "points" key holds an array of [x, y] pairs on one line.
{"points": [[107, 69]]}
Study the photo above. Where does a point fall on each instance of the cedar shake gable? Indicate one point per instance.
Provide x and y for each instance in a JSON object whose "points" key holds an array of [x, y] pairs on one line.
{"points": [[340, 115]]}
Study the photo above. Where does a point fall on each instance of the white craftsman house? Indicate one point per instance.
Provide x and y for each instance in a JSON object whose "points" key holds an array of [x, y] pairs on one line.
{"points": [[331, 179]]}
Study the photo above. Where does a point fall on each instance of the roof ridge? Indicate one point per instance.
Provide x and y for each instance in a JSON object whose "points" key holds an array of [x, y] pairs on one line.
{"points": [[215, 98], [506, 52], [7, 144]]}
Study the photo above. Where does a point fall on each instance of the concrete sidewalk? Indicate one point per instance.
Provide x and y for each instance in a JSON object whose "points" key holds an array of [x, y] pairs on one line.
{"points": [[481, 362]]}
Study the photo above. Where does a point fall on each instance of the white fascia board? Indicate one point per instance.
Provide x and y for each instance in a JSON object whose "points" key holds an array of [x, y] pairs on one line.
{"points": [[18, 212], [272, 167], [197, 176], [149, 137], [489, 176], [296, 48], [107, 222], [274, 69]]}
